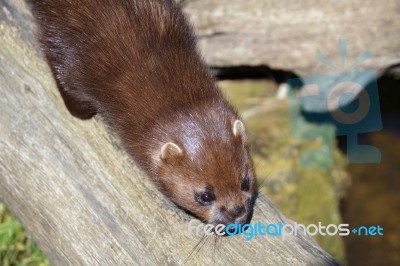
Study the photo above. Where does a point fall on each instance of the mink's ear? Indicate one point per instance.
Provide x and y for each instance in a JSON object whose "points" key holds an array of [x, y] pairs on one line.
{"points": [[170, 151], [238, 130]]}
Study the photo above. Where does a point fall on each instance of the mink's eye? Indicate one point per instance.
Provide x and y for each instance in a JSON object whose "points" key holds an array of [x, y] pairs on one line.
{"points": [[245, 186], [204, 198]]}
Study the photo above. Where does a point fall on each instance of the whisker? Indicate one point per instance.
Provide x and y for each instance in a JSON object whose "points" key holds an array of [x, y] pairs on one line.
{"points": [[259, 184], [196, 248], [217, 244], [261, 211], [256, 164]]}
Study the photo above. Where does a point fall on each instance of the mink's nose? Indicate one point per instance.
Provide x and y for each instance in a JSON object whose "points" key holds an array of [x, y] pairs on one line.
{"points": [[236, 212]]}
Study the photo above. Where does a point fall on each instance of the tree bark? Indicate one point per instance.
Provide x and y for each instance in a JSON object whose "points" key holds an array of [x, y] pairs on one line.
{"points": [[80, 196]]}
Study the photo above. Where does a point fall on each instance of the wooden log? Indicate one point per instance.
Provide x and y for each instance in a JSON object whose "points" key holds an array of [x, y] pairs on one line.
{"points": [[80, 196], [287, 34]]}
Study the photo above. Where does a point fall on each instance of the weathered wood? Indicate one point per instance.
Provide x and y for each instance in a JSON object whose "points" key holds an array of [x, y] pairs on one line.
{"points": [[287, 34], [80, 196]]}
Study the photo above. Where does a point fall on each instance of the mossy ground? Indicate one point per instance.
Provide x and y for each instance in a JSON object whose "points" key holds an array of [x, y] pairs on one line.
{"points": [[16, 246]]}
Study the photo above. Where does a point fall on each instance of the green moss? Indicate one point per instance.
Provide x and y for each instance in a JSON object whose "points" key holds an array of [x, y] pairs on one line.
{"points": [[16, 246]]}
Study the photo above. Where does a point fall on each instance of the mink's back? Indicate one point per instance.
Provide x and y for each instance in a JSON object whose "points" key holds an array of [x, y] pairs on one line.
{"points": [[132, 59]]}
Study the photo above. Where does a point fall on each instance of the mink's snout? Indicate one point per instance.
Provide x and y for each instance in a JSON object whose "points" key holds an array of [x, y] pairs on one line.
{"points": [[239, 214], [233, 214]]}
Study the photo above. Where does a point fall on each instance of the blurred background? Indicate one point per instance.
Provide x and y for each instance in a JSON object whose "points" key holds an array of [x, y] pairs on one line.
{"points": [[253, 48]]}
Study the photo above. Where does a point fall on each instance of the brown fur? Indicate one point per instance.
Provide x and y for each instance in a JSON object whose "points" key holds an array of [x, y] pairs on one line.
{"points": [[135, 63]]}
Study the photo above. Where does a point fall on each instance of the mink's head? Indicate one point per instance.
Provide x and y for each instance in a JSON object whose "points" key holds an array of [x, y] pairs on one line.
{"points": [[201, 161]]}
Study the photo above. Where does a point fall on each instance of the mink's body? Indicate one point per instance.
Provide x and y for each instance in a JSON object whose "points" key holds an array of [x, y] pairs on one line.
{"points": [[135, 63]]}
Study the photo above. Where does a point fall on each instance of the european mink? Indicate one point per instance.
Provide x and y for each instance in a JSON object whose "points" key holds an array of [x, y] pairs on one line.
{"points": [[135, 63]]}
